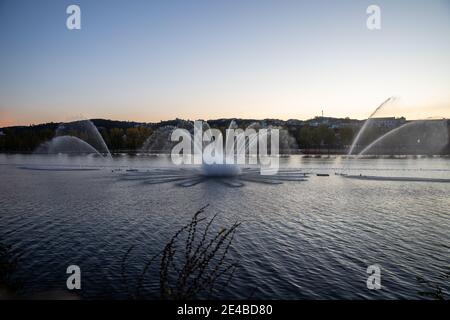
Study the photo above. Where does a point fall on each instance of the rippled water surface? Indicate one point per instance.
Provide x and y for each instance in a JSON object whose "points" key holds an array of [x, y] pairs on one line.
{"points": [[300, 239]]}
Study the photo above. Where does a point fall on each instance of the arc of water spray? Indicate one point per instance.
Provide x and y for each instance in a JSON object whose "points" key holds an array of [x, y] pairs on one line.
{"points": [[54, 146], [387, 134], [100, 138], [366, 123], [95, 132]]}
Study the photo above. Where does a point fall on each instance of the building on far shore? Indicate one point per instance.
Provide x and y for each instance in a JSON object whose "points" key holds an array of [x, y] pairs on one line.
{"points": [[388, 122], [294, 122], [334, 123], [2, 133]]}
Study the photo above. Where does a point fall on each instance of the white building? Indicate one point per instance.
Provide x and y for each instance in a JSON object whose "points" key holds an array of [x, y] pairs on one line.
{"points": [[388, 122]]}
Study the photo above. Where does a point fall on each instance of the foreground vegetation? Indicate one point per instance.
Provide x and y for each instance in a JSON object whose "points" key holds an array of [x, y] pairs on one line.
{"points": [[194, 263]]}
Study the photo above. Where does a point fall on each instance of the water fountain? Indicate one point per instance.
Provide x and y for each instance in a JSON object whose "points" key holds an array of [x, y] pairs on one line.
{"points": [[76, 138], [229, 173], [396, 137], [80, 140], [368, 122], [66, 145], [416, 137]]}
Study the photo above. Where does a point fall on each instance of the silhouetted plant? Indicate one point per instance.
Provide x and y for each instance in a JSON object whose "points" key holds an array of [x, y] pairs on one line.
{"points": [[195, 261], [434, 290]]}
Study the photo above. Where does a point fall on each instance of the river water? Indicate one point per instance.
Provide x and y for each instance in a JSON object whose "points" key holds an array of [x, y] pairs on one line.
{"points": [[310, 239]]}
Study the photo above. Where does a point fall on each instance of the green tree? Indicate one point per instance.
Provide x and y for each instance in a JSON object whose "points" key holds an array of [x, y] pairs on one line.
{"points": [[304, 137], [132, 138], [346, 135], [117, 138]]}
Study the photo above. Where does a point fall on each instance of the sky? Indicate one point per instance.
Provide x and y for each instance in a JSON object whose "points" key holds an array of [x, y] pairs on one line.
{"points": [[206, 59]]}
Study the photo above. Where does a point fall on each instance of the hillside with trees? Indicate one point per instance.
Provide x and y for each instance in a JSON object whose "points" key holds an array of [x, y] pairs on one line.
{"points": [[318, 135]]}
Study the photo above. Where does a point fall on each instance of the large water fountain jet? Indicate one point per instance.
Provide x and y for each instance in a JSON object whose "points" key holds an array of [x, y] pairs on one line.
{"points": [[229, 173], [428, 137], [79, 138], [84, 130], [395, 136], [160, 142], [66, 145], [367, 122]]}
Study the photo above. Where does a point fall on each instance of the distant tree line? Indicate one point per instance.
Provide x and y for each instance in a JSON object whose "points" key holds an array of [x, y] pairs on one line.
{"points": [[322, 136], [27, 139], [125, 139], [130, 136]]}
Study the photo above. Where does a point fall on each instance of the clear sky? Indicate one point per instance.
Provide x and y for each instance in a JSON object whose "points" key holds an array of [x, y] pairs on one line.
{"points": [[160, 59]]}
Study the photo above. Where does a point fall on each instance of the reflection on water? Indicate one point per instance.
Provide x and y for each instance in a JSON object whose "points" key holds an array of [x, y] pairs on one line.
{"points": [[308, 239]]}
